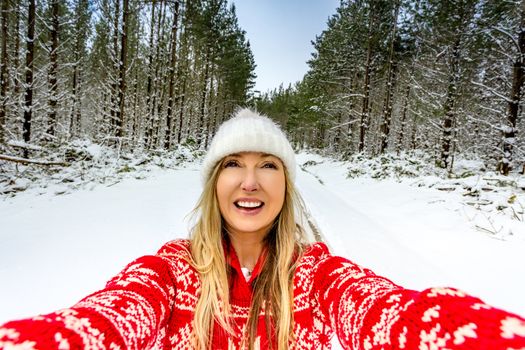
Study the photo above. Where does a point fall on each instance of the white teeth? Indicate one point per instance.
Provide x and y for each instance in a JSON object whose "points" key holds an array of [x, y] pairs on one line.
{"points": [[249, 204]]}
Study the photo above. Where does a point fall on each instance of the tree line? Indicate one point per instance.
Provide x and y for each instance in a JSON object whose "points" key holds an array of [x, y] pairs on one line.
{"points": [[139, 73], [393, 75]]}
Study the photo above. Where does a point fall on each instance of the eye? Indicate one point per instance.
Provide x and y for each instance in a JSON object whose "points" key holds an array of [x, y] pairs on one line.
{"points": [[231, 163], [269, 165]]}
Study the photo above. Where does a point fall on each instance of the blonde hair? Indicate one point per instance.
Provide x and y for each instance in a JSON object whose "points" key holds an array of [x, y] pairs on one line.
{"points": [[273, 288]]}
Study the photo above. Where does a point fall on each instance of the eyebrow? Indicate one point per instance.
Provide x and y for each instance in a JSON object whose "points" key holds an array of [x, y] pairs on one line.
{"points": [[263, 155], [233, 155]]}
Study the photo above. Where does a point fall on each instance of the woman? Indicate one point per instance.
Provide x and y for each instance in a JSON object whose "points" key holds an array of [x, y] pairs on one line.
{"points": [[247, 280]]}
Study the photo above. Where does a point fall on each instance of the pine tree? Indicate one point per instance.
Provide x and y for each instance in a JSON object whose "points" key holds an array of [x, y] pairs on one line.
{"points": [[171, 69], [148, 75], [518, 79], [4, 80], [29, 67], [390, 81], [119, 117], [81, 32], [53, 67]]}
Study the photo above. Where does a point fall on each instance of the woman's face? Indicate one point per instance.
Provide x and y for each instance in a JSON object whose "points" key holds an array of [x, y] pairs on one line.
{"points": [[250, 189]]}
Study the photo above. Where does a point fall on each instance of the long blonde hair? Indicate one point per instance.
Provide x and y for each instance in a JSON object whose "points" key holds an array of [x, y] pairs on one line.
{"points": [[273, 288]]}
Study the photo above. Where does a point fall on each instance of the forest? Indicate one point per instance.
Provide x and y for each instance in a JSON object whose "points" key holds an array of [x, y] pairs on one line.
{"points": [[132, 74], [445, 77]]}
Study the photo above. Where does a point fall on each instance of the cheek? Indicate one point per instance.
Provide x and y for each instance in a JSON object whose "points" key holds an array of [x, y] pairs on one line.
{"points": [[221, 193], [277, 188], [282, 194], [225, 187]]}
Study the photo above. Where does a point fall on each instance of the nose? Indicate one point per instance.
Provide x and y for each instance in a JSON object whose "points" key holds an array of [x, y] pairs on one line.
{"points": [[249, 181]]}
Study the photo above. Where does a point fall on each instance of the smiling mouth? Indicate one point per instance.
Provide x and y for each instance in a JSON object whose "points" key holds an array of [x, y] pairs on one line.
{"points": [[245, 205]]}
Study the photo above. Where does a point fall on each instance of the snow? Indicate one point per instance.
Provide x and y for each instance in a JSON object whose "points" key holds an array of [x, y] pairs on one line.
{"points": [[94, 150], [22, 144], [67, 246], [418, 236], [57, 248]]}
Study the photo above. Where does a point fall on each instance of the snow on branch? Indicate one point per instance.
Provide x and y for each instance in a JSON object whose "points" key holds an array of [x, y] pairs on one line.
{"points": [[492, 110], [503, 50], [494, 92], [509, 35], [29, 161], [434, 124], [484, 122], [21, 144], [343, 124]]}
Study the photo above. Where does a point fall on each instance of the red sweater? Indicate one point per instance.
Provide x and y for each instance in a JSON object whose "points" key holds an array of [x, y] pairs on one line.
{"points": [[150, 305]]}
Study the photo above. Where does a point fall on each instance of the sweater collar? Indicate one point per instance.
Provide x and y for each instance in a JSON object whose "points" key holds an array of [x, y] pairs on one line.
{"points": [[233, 261]]}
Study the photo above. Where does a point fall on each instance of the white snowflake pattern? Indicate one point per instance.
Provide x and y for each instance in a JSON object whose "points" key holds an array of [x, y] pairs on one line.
{"points": [[466, 331], [511, 327], [431, 341], [433, 312]]}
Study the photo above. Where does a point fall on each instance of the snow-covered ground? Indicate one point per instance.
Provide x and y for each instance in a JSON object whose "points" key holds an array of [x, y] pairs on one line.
{"points": [[57, 246], [419, 236]]}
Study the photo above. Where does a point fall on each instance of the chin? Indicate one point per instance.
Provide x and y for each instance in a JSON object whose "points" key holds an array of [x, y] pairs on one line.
{"points": [[250, 228]]}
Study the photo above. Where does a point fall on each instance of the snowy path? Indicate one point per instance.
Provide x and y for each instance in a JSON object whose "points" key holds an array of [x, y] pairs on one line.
{"points": [[413, 235], [57, 249], [359, 235]]}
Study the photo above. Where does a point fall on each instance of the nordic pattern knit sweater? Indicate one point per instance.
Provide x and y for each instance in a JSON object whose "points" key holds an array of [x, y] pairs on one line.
{"points": [[150, 304]]}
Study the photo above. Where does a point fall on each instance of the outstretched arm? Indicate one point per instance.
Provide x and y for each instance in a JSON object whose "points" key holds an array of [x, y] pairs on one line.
{"points": [[370, 312], [127, 314]]}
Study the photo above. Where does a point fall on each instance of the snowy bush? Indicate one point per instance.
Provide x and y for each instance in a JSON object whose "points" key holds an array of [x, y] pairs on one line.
{"points": [[391, 165], [86, 164], [487, 198]]}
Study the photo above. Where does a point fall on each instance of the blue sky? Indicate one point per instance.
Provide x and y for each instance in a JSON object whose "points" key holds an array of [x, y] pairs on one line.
{"points": [[280, 34]]}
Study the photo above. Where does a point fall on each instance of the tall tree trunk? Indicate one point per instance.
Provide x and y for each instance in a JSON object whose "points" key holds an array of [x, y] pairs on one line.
{"points": [[160, 105], [79, 48], [390, 82], [122, 69], [450, 103], [202, 115], [338, 134], [210, 117], [136, 110], [74, 127], [53, 70], [414, 133], [182, 74], [217, 116], [116, 67], [16, 60], [181, 110], [4, 80], [149, 84], [365, 111], [158, 91], [401, 135], [518, 78], [169, 112], [30, 43]]}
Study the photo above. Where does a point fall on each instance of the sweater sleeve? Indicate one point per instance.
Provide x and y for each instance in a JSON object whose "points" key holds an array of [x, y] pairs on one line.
{"points": [[127, 314], [370, 312]]}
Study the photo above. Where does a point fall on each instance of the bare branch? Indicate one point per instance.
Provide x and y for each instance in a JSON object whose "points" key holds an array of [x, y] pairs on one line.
{"points": [[30, 161], [494, 92]]}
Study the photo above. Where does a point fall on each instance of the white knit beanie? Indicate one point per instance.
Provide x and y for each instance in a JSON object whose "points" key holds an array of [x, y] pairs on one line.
{"points": [[248, 131]]}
